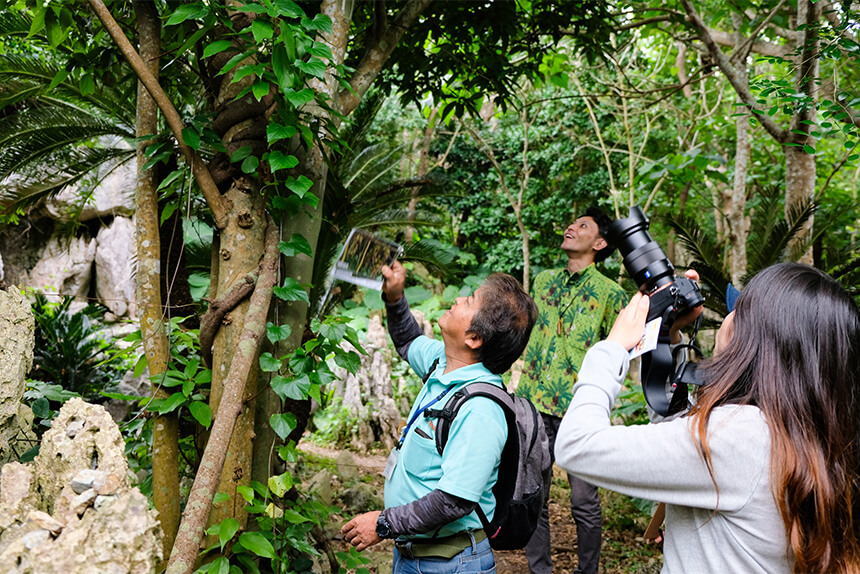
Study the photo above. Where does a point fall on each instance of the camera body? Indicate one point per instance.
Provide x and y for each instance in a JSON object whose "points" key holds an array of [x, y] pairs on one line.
{"points": [[664, 376], [653, 272]]}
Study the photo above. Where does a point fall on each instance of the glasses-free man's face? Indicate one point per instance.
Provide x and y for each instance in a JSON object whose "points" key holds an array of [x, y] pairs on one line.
{"points": [[582, 236]]}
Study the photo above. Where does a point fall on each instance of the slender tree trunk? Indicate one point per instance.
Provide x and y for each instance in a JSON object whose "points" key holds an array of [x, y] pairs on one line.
{"points": [[165, 447], [423, 160], [736, 222], [800, 166], [736, 215]]}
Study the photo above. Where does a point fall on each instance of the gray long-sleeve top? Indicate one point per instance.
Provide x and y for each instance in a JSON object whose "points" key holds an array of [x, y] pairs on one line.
{"points": [[734, 529]]}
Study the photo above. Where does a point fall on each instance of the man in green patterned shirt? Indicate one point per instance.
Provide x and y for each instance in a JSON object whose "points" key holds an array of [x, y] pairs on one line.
{"points": [[577, 307]]}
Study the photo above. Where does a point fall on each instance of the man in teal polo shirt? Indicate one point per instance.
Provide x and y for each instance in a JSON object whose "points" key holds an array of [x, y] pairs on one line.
{"points": [[577, 307], [430, 499]]}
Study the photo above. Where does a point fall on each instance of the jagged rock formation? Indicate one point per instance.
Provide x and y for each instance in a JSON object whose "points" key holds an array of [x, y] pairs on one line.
{"points": [[98, 261], [368, 395], [16, 358], [72, 510]]}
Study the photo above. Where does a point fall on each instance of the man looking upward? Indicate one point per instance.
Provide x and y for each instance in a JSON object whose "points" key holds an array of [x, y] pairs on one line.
{"points": [[577, 306], [430, 499]]}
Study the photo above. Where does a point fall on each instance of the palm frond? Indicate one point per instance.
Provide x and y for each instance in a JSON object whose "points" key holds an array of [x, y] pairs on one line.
{"points": [[700, 244], [34, 188], [30, 78], [198, 257], [29, 139], [431, 254], [356, 128], [707, 261], [14, 23], [771, 244]]}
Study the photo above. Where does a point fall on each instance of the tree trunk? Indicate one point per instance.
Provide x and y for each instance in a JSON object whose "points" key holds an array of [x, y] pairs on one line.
{"points": [[241, 245], [423, 160], [800, 166], [165, 447], [736, 212], [245, 355]]}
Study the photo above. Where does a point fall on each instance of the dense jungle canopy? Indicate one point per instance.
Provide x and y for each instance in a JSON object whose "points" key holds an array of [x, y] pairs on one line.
{"points": [[471, 132]]}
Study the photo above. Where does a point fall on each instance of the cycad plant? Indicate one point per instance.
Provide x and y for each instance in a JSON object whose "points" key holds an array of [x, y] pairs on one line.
{"points": [[364, 190], [54, 128], [771, 240], [69, 350]]}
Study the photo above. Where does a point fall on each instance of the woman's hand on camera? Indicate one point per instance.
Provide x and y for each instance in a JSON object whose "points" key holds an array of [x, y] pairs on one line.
{"points": [[630, 324], [687, 319]]}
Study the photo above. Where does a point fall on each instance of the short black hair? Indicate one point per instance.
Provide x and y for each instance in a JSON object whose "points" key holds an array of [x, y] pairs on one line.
{"points": [[504, 322], [603, 222]]}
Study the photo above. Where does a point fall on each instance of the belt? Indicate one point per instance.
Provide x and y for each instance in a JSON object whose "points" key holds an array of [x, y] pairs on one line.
{"points": [[446, 547]]}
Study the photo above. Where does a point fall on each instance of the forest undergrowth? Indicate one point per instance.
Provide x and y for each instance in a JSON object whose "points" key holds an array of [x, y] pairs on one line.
{"points": [[624, 549]]}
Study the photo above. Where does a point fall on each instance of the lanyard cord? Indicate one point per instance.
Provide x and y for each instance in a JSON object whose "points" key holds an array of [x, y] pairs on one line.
{"points": [[418, 414]]}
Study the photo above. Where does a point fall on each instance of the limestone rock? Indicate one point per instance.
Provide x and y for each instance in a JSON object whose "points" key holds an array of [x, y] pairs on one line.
{"points": [[45, 521], [16, 357], [111, 194], [45, 528], [84, 478], [97, 446], [368, 394], [114, 258], [362, 497], [347, 470], [65, 267], [121, 537], [15, 479], [130, 386], [321, 484], [423, 322]]}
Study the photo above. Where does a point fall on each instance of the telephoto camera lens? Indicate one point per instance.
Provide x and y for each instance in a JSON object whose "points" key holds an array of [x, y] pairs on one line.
{"points": [[643, 258]]}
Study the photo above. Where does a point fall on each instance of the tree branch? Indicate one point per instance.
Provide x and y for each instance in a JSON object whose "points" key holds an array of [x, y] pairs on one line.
{"points": [[742, 51], [218, 308], [759, 47], [199, 504], [377, 54], [198, 167], [741, 87]]}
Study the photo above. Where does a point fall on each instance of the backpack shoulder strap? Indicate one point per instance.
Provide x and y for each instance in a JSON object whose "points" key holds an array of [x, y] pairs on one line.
{"points": [[447, 414]]}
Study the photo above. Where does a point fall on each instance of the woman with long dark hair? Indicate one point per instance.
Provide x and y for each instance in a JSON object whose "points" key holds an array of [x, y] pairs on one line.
{"points": [[762, 473]]}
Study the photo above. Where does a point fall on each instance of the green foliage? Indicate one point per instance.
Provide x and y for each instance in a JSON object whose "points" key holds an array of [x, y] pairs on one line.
{"points": [[186, 379], [486, 48], [282, 541], [69, 351]]}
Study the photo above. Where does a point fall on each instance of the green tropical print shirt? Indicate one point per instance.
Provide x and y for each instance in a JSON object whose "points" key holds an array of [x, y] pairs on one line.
{"points": [[574, 312]]}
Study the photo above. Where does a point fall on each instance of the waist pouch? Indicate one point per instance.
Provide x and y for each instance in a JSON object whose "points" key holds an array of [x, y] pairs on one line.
{"points": [[446, 547]]}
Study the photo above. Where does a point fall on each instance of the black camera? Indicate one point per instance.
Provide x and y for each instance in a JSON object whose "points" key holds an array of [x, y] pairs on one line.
{"points": [[650, 268], [670, 297]]}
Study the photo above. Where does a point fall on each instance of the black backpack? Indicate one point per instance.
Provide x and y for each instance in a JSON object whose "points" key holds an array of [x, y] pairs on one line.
{"points": [[525, 470]]}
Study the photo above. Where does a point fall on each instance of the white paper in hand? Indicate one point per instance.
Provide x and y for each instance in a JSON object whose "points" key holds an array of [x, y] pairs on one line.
{"points": [[649, 338]]}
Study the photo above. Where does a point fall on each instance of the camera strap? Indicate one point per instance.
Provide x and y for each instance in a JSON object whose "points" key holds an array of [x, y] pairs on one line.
{"points": [[665, 375]]}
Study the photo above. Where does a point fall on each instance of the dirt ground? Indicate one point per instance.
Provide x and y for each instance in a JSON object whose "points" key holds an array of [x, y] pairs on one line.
{"points": [[624, 551]]}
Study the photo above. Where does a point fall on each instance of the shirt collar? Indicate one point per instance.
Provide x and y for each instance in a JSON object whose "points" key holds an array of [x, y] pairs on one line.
{"points": [[467, 374], [574, 278]]}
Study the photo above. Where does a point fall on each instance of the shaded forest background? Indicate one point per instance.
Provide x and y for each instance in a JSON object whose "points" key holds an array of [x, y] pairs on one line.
{"points": [[472, 133]]}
